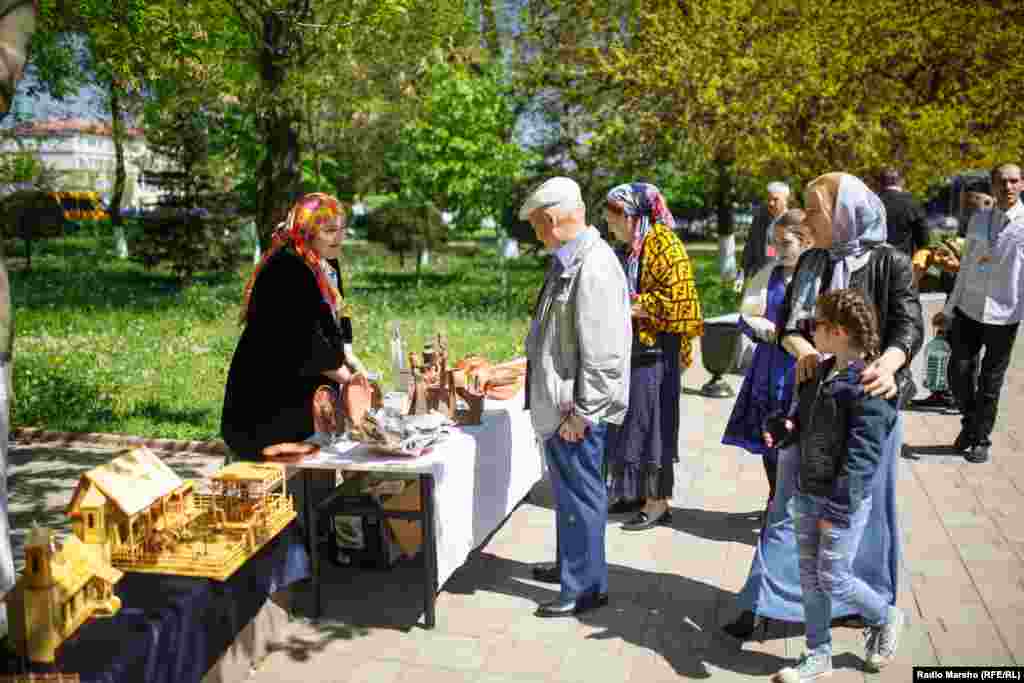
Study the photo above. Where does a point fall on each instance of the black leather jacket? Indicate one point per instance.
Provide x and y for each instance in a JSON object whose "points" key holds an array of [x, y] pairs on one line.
{"points": [[888, 281], [842, 430]]}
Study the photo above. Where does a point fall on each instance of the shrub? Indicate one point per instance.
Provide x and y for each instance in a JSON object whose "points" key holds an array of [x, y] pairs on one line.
{"points": [[407, 228], [190, 241]]}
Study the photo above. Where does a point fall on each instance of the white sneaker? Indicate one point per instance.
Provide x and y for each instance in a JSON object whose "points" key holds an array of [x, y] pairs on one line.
{"points": [[810, 667], [882, 650]]}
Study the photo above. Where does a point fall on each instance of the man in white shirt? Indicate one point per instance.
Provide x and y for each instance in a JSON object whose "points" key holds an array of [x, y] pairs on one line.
{"points": [[985, 309]]}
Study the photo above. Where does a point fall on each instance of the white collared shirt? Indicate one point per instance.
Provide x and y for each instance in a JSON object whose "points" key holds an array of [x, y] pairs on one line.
{"points": [[990, 283]]}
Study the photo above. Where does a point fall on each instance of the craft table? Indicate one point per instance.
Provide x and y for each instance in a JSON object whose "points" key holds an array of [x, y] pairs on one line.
{"points": [[469, 484], [174, 629]]}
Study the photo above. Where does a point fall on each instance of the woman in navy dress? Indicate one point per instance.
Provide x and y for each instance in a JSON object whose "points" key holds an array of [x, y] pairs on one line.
{"points": [[768, 385]]}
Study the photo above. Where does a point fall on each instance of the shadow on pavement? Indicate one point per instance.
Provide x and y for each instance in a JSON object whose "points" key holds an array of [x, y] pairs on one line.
{"points": [[734, 527], [673, 616]]}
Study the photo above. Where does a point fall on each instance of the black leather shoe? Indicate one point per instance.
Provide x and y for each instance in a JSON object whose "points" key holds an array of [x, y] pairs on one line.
{"points": [[547, 572], [568, 608], [965, 441], [745, 626], [937, 399], [978, 454], [641, 522], [622, 507]]}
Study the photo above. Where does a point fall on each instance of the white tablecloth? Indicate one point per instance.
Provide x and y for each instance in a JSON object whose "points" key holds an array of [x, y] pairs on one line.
{"points": [[480, 475]]}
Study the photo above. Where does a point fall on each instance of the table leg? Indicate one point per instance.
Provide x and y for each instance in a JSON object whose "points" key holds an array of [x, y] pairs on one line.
{"points": [[311, 539], [429, 550]]}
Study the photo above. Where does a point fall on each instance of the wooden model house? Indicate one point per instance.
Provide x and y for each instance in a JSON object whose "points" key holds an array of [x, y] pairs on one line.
{"points": [[60, 588], [145, 518], [41, 678], [129, 505]]}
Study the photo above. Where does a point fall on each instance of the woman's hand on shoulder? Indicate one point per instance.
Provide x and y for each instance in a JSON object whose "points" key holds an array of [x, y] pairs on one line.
{"points": [[879, 377], [807, 365]]}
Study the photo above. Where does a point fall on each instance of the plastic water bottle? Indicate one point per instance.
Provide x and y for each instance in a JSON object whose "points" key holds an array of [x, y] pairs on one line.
{"points": [[936, 361]]}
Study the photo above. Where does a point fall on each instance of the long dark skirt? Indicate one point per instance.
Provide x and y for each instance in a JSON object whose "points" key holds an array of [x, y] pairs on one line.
{"points": [[641, 451]]}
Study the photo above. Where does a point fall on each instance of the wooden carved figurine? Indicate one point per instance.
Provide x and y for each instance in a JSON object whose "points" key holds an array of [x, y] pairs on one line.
{"points": [[418, 400], [470, 389]]}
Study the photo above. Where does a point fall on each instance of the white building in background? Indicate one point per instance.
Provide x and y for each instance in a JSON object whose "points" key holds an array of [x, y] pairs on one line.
{"points": [[82, 154]]}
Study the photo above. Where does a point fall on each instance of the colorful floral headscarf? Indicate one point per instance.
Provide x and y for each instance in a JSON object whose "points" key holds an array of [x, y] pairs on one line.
{"points": [[304, 222], [645, 203]]}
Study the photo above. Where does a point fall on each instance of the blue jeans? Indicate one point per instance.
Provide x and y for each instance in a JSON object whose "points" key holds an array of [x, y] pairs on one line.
{"points": [[581, 511], [826, 570]]}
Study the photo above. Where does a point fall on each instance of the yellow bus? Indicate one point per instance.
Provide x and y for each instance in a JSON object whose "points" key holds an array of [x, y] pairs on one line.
{"points": [[81, 206]]}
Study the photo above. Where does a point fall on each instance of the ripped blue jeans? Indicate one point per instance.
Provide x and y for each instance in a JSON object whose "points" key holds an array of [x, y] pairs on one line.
{"points": [[826, 570]]}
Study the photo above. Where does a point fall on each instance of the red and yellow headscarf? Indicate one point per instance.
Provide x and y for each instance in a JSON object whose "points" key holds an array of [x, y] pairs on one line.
{"points": [[304, 222]]}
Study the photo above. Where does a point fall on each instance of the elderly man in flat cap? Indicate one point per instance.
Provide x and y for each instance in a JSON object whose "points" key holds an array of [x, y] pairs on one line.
{"points": [[578, 352]]}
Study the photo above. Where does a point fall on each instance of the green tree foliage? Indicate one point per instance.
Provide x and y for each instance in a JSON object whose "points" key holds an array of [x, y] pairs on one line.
{"points": [[456, 153], [792, 89], [194, 229]]}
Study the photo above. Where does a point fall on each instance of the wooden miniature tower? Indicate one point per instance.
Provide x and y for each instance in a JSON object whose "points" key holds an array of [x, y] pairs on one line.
{"points": [[60, 588], [35, 626]]}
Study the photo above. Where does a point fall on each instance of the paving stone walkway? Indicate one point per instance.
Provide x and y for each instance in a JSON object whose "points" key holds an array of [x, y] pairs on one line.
{"points": [[671, 587]]}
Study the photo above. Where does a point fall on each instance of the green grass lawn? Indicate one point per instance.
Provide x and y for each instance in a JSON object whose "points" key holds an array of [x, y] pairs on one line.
{"points": [[103, 345]]}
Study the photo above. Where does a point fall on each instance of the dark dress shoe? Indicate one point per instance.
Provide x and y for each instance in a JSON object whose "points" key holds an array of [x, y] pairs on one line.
{"points": [[548, 572], [977, 454], [965, 440], [745, 626], [568, 608], [937, 399], [622, 507], [642, 522]]}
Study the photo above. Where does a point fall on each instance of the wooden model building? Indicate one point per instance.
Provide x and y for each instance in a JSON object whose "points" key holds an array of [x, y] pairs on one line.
{"points": [[145, 518], [60, 588], [435, 386], [40, 678]]}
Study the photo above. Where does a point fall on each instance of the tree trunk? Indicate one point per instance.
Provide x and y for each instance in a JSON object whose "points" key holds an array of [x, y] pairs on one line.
{"points": [[120, 176], [723, 211], [279, 174], [420, 254]]}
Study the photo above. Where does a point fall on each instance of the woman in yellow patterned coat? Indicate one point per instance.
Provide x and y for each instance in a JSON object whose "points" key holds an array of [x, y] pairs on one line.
{"points": [[666, 318]]}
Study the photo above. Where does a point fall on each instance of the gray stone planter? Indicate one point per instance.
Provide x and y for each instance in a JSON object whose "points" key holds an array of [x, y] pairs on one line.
{"points": [[719, 350]]}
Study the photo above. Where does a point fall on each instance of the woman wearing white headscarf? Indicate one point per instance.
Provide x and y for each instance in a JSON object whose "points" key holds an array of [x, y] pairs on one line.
{"points": [[847, 223]]}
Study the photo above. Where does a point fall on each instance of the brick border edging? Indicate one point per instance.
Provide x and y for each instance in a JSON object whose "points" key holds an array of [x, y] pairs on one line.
{"points": [[39, 435]]}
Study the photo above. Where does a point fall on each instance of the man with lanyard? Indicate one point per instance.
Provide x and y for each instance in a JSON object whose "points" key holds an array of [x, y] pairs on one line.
{"points": [[985, 308]]}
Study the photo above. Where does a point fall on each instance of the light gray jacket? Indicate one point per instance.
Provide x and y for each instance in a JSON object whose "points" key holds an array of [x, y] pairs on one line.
{"points": [[578, 349]]}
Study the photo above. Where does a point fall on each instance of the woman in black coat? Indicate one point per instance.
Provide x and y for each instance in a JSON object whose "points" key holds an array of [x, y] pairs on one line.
{"points": [[847, 222], [296, 334]]}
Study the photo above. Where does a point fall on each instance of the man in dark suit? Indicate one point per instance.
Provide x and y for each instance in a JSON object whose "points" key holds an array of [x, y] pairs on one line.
{"points": [[904, 217], [759, 248]]}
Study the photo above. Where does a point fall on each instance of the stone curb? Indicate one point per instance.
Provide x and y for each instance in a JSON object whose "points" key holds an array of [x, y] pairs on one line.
{"points": [[24, 435]]}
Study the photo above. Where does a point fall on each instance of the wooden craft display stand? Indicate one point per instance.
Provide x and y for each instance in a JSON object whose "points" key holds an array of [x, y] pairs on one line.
{"points": [[435, 386]]}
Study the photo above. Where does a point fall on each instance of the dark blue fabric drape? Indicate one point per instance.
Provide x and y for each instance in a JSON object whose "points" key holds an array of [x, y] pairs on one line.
{"points": [[172, 629]]}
